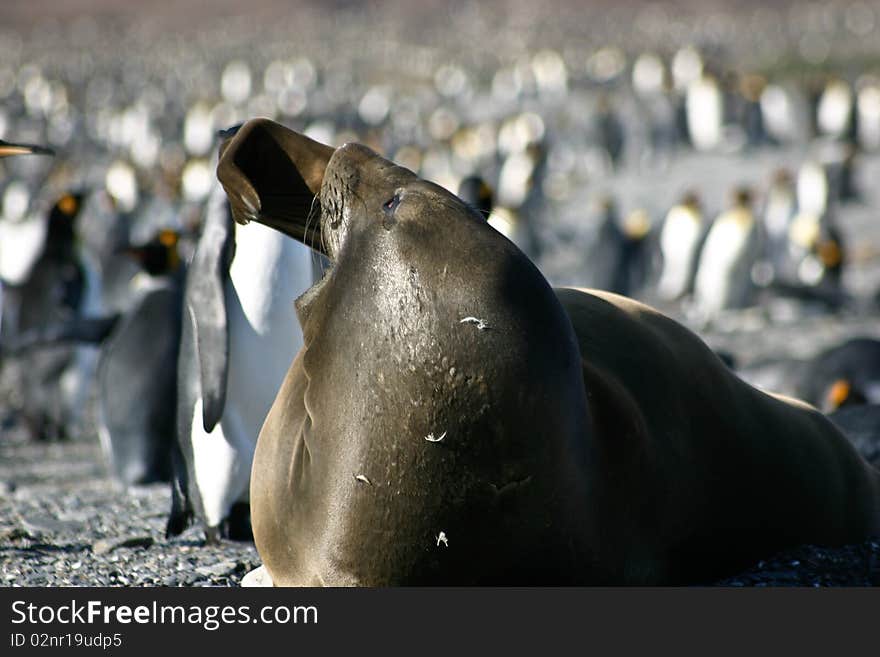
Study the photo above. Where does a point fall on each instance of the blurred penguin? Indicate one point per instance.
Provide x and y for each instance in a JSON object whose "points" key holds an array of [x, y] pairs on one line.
{"points": [[868, 113], [723, 280], [751, 87], [844, 375], [137, 368], [785, 114], [61, 285], [609, 130], [780, 207], [621, 255], [9, 149], [835, 110], [815, 242], [474, 191], [705, 112], [681, 236], [841, 175], [818, 256]]}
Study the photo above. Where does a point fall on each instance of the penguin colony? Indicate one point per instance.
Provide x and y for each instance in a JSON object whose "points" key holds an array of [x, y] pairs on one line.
{"points": [[128, 284]]}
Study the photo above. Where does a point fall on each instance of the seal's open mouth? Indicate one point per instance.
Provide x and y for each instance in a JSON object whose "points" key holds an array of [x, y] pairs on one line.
{"points": [[273, 175]]}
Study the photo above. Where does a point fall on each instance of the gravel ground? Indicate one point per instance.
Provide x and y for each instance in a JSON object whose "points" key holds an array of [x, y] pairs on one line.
{"points": [[63, 522]]}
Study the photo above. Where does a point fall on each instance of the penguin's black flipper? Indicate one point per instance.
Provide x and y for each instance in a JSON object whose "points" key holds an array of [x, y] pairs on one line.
{"points": [[90, 330], [206, 305]]}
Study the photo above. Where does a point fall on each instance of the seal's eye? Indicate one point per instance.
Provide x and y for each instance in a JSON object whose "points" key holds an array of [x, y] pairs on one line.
{"points": [[391, 204]]}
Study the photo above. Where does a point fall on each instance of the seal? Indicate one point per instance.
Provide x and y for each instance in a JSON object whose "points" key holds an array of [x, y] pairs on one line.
{"points": [[451, 419]]}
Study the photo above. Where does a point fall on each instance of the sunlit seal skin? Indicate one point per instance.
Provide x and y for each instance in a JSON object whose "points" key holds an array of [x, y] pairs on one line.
{"points": [[451, 419]]}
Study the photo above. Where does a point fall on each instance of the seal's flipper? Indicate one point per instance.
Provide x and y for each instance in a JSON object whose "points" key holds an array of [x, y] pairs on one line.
{"points": [[206, 306], [273, 174]]}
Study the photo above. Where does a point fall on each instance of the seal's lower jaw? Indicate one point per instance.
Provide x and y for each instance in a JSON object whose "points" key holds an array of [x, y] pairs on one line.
{"points": [[273, 175]]}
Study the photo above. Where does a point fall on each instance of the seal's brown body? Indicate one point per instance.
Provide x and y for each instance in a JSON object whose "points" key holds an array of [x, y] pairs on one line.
{"points": [[452, 420], [704, 473]]}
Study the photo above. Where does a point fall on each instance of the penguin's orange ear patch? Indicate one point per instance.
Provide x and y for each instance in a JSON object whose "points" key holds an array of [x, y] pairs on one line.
{"points": [[68, 205], [838, 393], [168, 238], [830, 253]]}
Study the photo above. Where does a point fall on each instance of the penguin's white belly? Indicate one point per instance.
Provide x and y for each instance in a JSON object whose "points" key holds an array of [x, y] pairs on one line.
{"points": [[869, 118], [704, 115], [20, 245], [834, 110], [780, 210], [268, 273], [723, 277], [677, 243]]}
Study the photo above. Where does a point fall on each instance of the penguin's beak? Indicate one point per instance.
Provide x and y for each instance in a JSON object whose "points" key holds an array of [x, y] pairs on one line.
{"points": [[8, 148], [273, 175]]}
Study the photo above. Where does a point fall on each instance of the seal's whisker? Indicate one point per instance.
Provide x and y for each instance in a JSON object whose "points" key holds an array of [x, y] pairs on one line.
{"points": [[310, 216]]}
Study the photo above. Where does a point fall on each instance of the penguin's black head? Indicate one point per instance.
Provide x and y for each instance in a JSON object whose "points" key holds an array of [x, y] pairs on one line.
{"points": [[159, 256], [781, 177], [63, 216], [742, 197], [691, 200], [474, 191]]}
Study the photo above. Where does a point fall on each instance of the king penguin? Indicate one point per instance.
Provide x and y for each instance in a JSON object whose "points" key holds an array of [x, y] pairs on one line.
{"points": [[779, 210], [137, 368], [239, 335], [474, 191], [8, 149], [843, 375], [704, 105], [682, 234], [61, 285], [724, 272]]}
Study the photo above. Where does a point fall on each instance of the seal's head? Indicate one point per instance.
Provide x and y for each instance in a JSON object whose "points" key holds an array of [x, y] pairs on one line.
{"points": [[432, 427]]}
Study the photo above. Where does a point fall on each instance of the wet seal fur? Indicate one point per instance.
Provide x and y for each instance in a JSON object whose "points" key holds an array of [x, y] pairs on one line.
{"points": [[586, 439]]}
